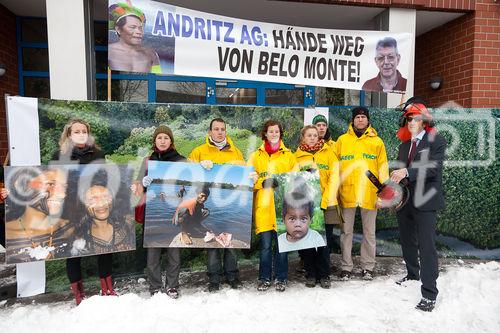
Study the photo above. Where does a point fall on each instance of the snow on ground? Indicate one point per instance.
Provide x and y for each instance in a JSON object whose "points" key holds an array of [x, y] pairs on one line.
{"points": [[469, 301]]}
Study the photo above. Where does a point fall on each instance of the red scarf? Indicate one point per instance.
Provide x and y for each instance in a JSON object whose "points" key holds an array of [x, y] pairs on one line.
{"points": [[312, 149], [270, 149]]}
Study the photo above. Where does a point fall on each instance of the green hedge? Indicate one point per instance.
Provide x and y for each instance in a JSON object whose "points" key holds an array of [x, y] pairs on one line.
{"points": [[472, 206]]}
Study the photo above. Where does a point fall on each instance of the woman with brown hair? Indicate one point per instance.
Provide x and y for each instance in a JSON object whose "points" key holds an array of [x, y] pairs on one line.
{"points": [[163, 150], [271, 158]]}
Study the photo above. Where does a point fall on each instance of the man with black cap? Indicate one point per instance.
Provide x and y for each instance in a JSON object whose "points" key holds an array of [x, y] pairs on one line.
{"points": [[420, 156], [331, 215], [358, 150]]}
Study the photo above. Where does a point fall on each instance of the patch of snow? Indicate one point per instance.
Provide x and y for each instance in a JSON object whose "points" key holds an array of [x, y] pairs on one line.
{"points": [[468, 302]]}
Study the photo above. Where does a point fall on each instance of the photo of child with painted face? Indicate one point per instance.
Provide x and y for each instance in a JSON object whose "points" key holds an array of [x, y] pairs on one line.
{"points": [[298, 210]]}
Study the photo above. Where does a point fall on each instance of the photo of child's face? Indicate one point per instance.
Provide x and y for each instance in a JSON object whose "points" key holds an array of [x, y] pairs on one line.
{"points": [[297, 221]]}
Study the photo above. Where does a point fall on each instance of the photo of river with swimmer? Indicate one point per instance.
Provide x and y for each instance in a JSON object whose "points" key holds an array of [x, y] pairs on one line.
{"points": [[225, 211]]}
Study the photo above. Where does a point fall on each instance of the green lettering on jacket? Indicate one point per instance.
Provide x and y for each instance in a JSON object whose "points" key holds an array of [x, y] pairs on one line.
{"points": [[369, 156], [346, 157], [322, 166]]}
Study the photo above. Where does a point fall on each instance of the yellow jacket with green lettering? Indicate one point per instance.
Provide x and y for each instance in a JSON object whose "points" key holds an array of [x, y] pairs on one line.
{"points": [[325, 160], [207, 151], [356, 155], [266, 166]]}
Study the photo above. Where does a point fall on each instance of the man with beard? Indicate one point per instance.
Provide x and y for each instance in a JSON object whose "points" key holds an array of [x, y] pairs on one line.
{"points": [[360, 149], [39, 233]]}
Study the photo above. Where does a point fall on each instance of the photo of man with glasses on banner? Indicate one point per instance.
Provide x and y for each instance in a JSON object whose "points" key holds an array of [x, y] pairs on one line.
{"points": [[387, 58]]}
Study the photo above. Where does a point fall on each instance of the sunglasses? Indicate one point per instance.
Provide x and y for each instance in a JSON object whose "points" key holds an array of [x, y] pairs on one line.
{"points": [[416, 118]]}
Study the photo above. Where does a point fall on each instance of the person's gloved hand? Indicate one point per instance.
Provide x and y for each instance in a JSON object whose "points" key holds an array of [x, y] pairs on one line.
{"points": [[207, 164], [146, 181], [253, 176], [270, 183]]}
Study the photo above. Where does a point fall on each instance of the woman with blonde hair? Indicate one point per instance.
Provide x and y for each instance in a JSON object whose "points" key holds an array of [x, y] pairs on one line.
{"points": [[315, 154], [78, 145]]}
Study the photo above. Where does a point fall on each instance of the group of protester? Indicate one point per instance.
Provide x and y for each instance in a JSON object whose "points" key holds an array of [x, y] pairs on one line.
{"points": [[344, 186]]}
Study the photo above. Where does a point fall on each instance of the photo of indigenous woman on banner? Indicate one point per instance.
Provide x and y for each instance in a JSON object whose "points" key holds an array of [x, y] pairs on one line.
{"points": [[154, 37], [297, 198], [189, 206], [63, 211]]}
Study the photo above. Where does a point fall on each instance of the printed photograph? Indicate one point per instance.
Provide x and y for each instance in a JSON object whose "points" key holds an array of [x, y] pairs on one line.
{"points": [[63, 211], [189, 206], [297, 200]]}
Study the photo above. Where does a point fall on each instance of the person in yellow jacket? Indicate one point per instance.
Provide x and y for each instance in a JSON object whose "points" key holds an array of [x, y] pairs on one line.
{"points": [[315, 154], [358, 150], [332, 218], [219, 149], [271, 158]]}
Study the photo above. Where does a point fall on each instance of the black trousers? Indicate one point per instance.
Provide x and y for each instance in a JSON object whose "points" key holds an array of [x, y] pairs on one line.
{"points": [[417, 232], [317, 262], [74, 267]]}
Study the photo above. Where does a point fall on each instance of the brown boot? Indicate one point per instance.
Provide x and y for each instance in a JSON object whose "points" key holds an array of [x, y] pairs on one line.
{"points": [[77, 292]]}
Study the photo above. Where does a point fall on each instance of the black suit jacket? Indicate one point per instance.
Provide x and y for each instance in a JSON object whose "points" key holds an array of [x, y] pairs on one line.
{"points": [[426, 170]]}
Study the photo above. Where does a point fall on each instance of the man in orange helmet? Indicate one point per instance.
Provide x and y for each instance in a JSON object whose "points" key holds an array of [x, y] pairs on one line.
{"points": [[420, 156]]}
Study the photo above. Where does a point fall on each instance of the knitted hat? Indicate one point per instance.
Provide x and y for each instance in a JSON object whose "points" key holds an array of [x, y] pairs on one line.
{"points": [[319, 119], [360, 110], [121, 10], [163, 129]]}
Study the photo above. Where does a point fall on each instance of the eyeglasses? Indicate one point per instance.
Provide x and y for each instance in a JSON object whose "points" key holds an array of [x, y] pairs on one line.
{"points": [[389, 57], [416, 118]]}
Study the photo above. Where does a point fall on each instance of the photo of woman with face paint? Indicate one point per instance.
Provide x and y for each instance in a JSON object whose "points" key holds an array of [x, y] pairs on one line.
{"points": [[40, 232]]}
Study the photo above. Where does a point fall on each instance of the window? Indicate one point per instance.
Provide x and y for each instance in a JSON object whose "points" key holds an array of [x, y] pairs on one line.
{"points": [[180, 92], [285, 96], [236, 95], [36, 87], [123, 90]]}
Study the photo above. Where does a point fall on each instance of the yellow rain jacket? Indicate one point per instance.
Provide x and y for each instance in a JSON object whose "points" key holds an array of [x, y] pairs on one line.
{"points": [[356, 155], [325, 160], [207, 151], [266, 166], [332, 144]]}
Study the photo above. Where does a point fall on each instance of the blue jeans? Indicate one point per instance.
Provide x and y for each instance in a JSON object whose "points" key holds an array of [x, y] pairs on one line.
{"points": [[267, 247]]}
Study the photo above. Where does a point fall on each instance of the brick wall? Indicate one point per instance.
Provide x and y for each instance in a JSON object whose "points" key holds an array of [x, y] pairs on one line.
{"points": [[466, 53], [446, 5], [9, 83]]}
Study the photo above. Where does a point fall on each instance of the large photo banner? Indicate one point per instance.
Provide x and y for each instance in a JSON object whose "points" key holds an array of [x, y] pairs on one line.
{"points": [[63, 211], [189, 206], [152, 37], [468, 227]]}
